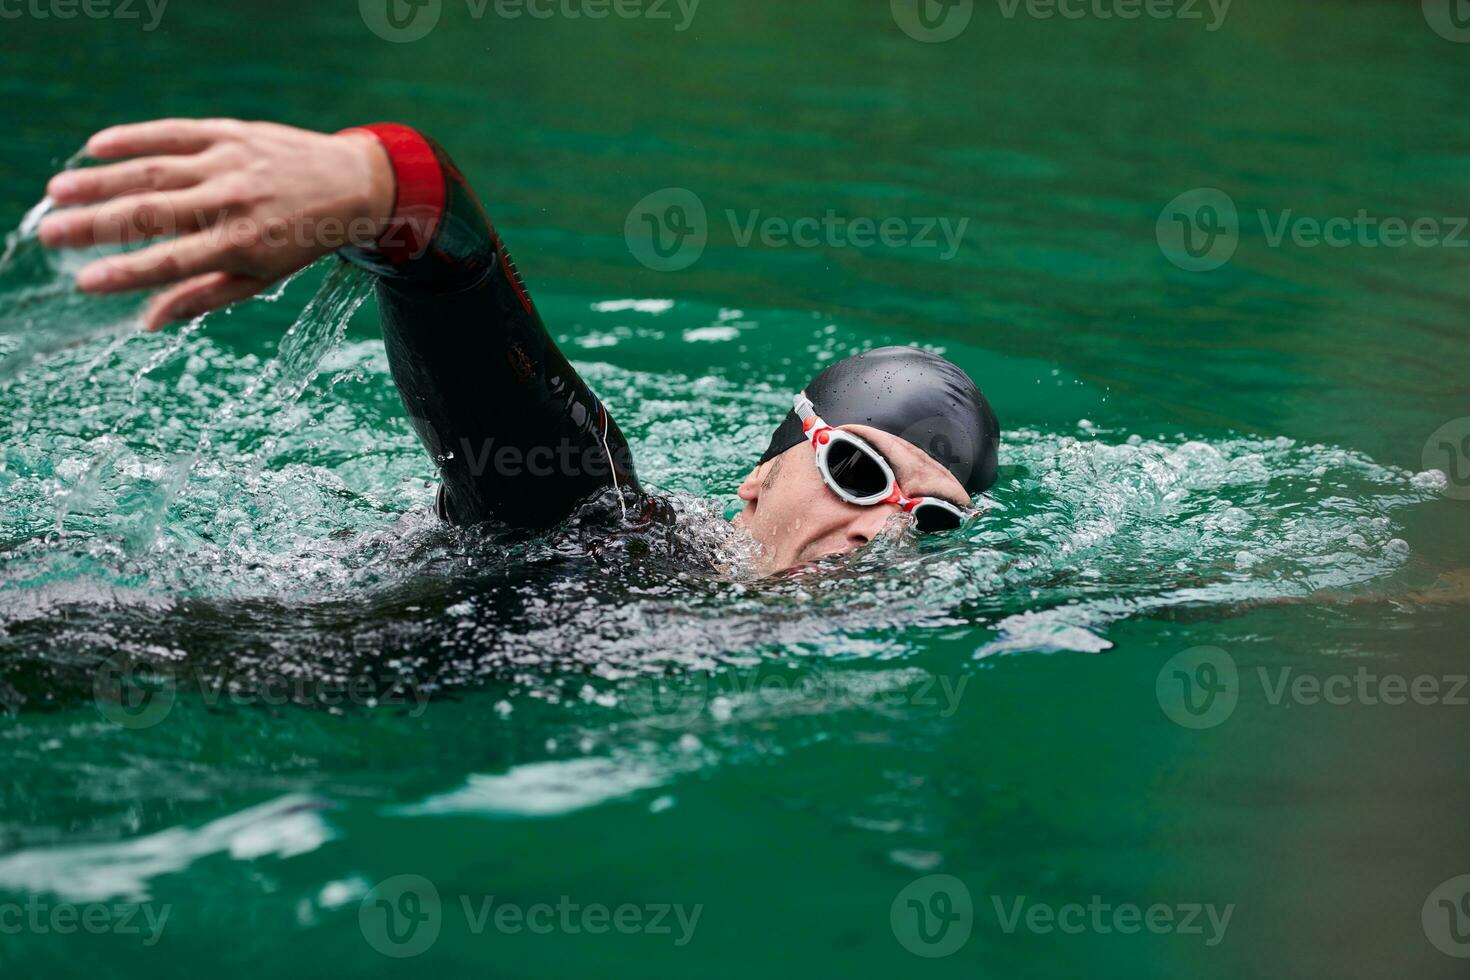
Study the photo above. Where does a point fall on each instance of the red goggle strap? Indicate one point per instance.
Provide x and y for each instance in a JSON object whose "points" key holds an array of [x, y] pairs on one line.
{"points": [[817, 431]]}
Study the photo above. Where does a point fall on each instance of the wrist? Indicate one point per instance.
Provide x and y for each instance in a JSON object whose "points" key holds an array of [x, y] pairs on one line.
{"points": [[418, 189], [375, 187]]}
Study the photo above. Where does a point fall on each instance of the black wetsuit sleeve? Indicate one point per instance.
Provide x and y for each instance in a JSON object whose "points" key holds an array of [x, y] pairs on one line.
{"points": [[515, 432]]}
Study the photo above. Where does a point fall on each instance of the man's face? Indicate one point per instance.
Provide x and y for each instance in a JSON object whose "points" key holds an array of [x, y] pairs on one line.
{"points": [[795, 518]]}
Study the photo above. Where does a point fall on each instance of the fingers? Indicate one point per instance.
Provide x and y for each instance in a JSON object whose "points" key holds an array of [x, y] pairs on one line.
{"points": [[200, 294], [100, 183], [166, 262], [161, 136], [134, 218]]}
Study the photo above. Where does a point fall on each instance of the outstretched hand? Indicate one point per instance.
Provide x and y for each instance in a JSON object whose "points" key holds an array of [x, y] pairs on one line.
{"points": [[239, 206]]}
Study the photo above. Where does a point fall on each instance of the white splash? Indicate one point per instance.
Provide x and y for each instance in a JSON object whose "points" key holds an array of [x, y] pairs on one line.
{"points": [[541, 789], [283, 828], [654, 306], [710, 334]]}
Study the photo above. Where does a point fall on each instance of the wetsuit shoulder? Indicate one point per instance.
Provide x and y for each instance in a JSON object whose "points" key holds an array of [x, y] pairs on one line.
{"points": [[517, 435]]}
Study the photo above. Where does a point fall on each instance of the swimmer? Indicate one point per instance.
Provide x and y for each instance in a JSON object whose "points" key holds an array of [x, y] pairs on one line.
{"points": [[517, 435]]}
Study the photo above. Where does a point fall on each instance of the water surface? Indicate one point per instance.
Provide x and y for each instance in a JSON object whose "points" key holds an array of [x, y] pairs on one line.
{"points": [[344, 692]]}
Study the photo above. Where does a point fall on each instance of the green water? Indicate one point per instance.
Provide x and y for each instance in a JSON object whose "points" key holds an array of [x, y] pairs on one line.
{"points": [[1232, 459]]}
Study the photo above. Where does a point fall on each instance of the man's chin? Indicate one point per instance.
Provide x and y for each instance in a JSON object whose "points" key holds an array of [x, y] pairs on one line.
{"points": [[762, 559], [769, 562]]}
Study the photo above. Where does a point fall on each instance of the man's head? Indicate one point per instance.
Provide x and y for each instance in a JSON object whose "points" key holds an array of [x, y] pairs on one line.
{"points": [[922, 414]]}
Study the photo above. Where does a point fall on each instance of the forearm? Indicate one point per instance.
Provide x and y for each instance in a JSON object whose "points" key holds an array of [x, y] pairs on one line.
{"points": [[516, 434]]}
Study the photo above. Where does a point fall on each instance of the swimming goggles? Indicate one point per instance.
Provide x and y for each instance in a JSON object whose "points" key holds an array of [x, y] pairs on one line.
{"points": [[859, 474]]}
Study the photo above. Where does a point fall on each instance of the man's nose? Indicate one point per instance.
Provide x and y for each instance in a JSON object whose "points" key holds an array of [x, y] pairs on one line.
{"points": [[868, 523]]}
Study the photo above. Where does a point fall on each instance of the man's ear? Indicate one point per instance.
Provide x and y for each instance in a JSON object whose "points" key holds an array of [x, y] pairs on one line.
{"points": [[750, 490]]}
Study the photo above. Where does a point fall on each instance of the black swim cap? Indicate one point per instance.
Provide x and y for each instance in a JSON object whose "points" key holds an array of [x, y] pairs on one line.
{"points": [[915, 395]]}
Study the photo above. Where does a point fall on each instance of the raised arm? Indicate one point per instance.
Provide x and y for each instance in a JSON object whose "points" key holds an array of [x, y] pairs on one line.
{"points": [[516, 434]]}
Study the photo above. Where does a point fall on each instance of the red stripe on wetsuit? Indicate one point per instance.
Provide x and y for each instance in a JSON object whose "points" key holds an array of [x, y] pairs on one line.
{"points": [[420, 197], [419, 191]]}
